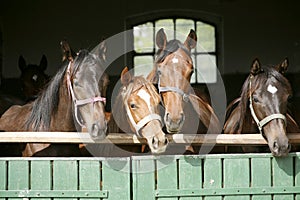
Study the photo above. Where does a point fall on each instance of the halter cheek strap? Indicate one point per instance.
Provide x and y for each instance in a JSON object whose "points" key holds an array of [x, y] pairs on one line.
{"points": [[81, 102], [264, 121]]}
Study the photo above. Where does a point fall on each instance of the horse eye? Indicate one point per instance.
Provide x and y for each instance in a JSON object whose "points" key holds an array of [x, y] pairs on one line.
{"points": [[132, 105], [255, 99], [76, 83]]}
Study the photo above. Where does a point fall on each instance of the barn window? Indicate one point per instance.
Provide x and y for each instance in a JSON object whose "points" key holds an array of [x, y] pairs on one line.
{"points": [[206, 56]]}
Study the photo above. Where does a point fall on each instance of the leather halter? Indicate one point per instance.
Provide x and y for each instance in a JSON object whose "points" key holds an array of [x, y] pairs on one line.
{"points": [[143, 122], [81, 102], [184, 95], [264, 121]]}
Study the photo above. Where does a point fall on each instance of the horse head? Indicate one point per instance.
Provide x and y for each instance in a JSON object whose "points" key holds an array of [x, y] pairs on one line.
{"points": [[172, 72], [33, 77], [141, 104], [85, 74]]}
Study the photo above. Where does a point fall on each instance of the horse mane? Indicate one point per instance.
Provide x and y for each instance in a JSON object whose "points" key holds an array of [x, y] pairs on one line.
{"points": [[119, 111], [47, 102], [258, 79], [171, 47]]}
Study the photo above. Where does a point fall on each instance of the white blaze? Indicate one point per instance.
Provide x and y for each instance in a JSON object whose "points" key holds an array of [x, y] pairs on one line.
{"points": [[272, 89], [145, 96], [175, 60]]}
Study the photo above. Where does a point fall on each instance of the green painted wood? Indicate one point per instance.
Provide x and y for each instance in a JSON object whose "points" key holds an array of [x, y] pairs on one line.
{"points": [[226, 191], [190, 174], [261, 176], [143, 178], [116, 178], [65, 175], [297, 174], [167, 174], [283, 175], [18, 175], [42, 194], [89, 175], [40, 175], [236, 174], [3, 176], [212, 175]]}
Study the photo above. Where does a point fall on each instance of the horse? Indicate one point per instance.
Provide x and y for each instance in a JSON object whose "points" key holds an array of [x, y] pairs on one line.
{"points": [[71, 100], [135, 110], [172, 71], [138, 102], [263, 107], [33, 77]]}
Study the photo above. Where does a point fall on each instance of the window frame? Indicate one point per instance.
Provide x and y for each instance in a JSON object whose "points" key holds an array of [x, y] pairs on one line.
{"points": [[205, 17]]}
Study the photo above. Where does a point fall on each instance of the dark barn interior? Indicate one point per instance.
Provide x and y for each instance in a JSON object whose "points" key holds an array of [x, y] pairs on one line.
{"points": [[268, 30]]}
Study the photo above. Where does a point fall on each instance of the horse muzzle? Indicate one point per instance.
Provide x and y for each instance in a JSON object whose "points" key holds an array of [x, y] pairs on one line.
{"points": [[174, 124], [98, 131]]}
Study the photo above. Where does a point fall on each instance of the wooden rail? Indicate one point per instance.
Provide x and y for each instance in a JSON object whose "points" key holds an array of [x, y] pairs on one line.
{"points": [[118, 138]]}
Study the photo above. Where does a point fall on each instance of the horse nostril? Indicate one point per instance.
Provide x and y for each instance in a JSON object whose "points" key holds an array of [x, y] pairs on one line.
{"points": [[166, 141], [167, 116], [182, 118], [289, 146], [94, 130], [275, 145]]}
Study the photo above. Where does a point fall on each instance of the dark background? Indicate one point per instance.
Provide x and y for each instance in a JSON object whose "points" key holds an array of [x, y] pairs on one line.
{"points": [[269, 30]]}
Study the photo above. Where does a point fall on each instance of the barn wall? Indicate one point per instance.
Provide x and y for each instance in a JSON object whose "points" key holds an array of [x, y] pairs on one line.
{"points": [[266, 29]]}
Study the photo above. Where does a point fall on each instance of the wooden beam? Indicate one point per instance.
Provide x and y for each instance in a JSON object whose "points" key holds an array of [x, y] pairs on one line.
{"points": [[118, 138]]}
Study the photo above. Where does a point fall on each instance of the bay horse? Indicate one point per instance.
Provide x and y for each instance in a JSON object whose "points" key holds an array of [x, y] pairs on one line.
{"points": [[263, 107], [172, 71], [71, 99], [33, 77]]}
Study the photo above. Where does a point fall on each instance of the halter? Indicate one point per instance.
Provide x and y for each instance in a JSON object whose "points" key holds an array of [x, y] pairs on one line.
{"points": [[143, 122], [184, 95], [77, 102], [265, 120]]}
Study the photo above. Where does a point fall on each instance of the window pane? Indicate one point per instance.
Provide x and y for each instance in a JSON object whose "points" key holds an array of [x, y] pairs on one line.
{"points": [[143, 65], [193, 78], [206, 69], [206, 37], [168, 26], [143, 37], [183, 27]]}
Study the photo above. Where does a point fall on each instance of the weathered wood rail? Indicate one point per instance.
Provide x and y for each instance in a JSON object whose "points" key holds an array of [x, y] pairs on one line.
{"points": [[119, 138]]}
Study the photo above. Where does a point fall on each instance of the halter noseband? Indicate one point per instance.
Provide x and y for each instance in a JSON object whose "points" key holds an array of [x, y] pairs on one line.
{"points": [[82, 101], [184, 95], [143, 122], [264, 121]]}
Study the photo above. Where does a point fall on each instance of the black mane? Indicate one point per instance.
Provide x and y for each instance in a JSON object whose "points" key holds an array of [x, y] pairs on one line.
{"points": [[47, 102]]}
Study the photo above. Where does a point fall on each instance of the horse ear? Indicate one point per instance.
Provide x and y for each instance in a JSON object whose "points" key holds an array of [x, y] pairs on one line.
{"points": [[125, 76], [191, 40], [22, 63], [161, 39], [256, 67], [43, 63], [102, 50], [152, 77], [283, 66]]}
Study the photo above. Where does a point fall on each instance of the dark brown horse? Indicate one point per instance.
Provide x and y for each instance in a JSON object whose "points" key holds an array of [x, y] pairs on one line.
{"points": [[172, 71], [33, 77], [263, 107], [72, 98]]}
